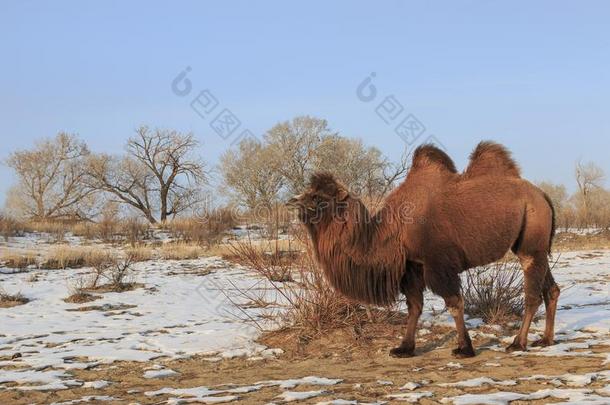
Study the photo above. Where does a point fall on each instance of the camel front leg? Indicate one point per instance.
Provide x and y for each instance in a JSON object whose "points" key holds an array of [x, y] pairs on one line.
{"points": [[412, 286], [455, 305]]}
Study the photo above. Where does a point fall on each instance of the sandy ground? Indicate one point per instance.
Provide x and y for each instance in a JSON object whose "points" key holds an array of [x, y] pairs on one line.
{"points": [[368, 374]]}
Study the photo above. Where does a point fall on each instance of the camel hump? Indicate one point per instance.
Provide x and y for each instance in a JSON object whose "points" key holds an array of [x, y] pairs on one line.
{"points": [[428, 155], [490, 158]]}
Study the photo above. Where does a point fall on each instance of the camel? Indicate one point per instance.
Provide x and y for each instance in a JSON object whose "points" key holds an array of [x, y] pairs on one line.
{"points": [[435, 225]]}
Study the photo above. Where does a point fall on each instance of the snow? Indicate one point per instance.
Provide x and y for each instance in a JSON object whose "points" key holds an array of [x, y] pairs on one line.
{"points": [[292, 383], [98, 385], [179, 313], [412, 397], [573, 396], [291, 396], [172, 316], [163, 373], [478, 382], [410, 386]]}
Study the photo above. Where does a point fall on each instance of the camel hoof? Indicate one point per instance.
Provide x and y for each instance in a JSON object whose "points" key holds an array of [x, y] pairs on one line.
{"points": [[401, 352], [515, 347], [463, 352], [543, 343]]}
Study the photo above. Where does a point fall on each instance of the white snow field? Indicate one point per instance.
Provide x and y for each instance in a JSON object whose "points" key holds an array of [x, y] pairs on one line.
{"points": [[182, 309]]}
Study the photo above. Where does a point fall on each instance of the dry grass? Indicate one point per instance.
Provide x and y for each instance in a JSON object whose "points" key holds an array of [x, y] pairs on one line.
{"points": [[81, 298], [568, 241], [10, 227], [18, 261], [310, 306], [11, 300], [180, 251], [494, 293], [140, 253], [276, 266], [206, 230], [65, 256], [56, 230]]}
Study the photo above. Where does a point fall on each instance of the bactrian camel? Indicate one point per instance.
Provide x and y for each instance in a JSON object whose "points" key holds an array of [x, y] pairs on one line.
{"points": [[435, 225]]}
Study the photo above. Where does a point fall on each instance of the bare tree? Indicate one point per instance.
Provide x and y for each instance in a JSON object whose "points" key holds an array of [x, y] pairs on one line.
{"points": [[558, 194], [258, 173], [51, 179], [589, 178], [365, 170], [159, 176], [293, 145], [249, 173]]}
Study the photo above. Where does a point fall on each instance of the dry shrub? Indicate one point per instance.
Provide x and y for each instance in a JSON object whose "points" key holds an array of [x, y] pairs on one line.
{"points": [[117, 273], [276, 266], [19, 261], [134, 230], [10, 227], [11, 300], [86, 230], [494, 293], [272, 221], [55, 229], [139, 253], [205, 230], [78, 292], [180, 251], [310, 306], [65, 256]]}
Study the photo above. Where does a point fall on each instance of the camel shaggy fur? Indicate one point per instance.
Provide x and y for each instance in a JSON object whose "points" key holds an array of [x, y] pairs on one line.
{"points": [[435, 225]]}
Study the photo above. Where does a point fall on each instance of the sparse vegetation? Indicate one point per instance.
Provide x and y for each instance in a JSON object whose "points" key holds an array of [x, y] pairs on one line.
{"points": [[116, 272], [206, 229], [180, 251], [9, 227], [11, 300], [18, 261], [311, 307], [79, 294], [66, 256], [139, 253], [494, 293]]}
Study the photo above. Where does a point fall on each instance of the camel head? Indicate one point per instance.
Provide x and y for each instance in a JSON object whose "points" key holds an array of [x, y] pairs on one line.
{"points": [[320, 200]]}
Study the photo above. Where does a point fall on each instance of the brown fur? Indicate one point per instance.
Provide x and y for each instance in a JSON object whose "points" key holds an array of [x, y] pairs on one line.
{"points": [[435, 225], [490, 158], [428, 155]]}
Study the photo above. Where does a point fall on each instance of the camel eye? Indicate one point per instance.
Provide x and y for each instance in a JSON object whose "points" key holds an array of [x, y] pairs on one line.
{"points": [[317, 199]]}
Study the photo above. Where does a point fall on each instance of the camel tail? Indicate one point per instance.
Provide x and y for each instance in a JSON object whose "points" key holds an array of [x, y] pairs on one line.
{"points": [[490, 158], [553, 221]]}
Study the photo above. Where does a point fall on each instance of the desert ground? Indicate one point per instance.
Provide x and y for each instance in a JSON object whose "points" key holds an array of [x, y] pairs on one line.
{"points": [[185, 332]]}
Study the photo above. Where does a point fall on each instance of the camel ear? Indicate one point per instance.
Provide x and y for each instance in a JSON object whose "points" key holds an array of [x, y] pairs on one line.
{"points": [[342, 194]]}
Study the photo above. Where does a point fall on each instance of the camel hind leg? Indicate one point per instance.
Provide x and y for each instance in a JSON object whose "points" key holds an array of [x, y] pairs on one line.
{"points": [[550, 295], [535, 269], [412, 286]]}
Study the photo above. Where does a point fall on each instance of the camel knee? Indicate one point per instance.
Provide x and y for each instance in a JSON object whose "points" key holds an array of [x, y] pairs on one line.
{"points": [[455, 305], [533, 301], [553, 292]]}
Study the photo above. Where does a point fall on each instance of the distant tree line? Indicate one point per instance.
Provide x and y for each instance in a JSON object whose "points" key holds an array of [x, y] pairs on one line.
{"points": [[263, 172], [159, 176], [588, 206]]}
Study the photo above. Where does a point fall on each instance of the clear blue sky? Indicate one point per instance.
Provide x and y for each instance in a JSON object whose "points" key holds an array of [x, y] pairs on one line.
{"points": [[533, 75]]}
